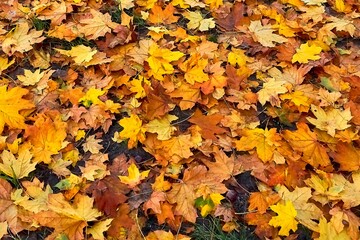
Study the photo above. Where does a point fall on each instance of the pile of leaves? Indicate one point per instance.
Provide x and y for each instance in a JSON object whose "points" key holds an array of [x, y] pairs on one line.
{"points": [[114, 113]]}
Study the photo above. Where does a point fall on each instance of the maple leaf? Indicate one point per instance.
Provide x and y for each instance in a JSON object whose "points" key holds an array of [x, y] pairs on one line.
{"points": [[306, 53], [285, 219], [134, 177], [67, 218], [5, 63], [30, 78], [162, 127], [46, 137], [8, 210], [80, 53], [133, 130], [11, 103], [344, 152], [327, 231], [262, 200], [264, 34], [92, 145], [223, 167], [330, 121], [159, 61], [98, 229], [33, 197], [305, 141], [270, 91], [307, 213], [17, 168], [265, 142], [207, 124], [20, 39], [194, 69], [166, 16], [97, 26], [198, 22]]}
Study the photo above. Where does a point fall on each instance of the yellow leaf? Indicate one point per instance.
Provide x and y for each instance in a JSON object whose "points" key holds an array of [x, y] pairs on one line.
{"points": [[285, 219], [270, 91], [81, 53], [330, 121], [133, 130], [34, 198], [30, 78], [265, 142], [92, 145], [97, 26], [328, 231], [308, 213], [198, 22], [20, 39], [265, 35], [11, 103], [162, 127], [134, 177], [98, 229], [92, 97], [159, 61], [194, 69], [306, 53], [237, 56], [3, 228], [17, 168], [68, 218], [314, 2], [136, 86], [4, 63]]}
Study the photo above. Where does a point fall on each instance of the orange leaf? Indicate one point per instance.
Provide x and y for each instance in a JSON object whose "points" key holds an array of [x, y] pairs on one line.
{"points": [[305, 141], [207, 124], [166, 16]]}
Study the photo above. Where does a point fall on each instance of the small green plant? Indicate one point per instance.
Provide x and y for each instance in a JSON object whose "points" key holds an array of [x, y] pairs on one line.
{"points": [[210, 229]]}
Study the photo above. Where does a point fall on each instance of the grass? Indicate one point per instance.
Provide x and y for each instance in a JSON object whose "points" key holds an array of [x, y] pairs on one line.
{"points": [[210, 229]]}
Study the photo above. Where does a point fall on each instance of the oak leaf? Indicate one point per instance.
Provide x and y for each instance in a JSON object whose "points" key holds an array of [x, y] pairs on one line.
{"points": [[11, 103], [285, 219]]}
